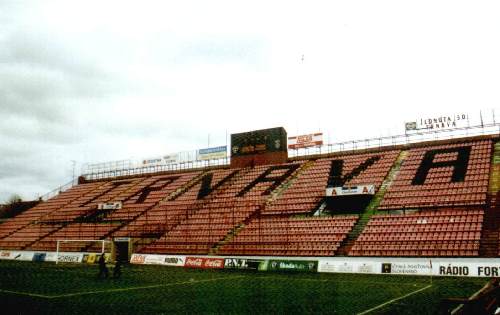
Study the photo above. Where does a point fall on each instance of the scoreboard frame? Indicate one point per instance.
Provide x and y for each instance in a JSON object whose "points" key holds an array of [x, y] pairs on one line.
{"points": [[259, 142]]}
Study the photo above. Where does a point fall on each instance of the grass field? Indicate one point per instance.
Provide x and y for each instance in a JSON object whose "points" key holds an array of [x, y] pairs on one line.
{"points": [[46, 288]]}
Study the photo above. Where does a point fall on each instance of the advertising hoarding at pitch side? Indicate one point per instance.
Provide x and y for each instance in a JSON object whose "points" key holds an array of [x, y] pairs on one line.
{"points": [[292, 265], [242, 263], [203, 262]]}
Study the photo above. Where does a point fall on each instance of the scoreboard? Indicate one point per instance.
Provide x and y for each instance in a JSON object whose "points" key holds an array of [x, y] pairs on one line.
{"points": [[259, 141]]}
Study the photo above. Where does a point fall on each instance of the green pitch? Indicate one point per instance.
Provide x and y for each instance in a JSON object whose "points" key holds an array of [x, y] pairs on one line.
{"points": [[46, 288]]}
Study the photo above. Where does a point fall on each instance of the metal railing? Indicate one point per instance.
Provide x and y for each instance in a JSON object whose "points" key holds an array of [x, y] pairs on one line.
{"points": [[140, 170], [371, 143], [388, 141], [58, 190], [346, 146]]}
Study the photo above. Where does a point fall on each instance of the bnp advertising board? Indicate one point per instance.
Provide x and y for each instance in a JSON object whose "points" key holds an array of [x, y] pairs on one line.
{"points": [[259, 141]]}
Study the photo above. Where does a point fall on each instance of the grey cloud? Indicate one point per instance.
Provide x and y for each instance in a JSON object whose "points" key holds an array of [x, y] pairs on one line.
{"points": [[34, 131], [168, 129], [222, 50], [44, 83], [55, 90], [34, 47], [13, 168], [11, 150], [28, 187], [58, 69], [32, 164]]}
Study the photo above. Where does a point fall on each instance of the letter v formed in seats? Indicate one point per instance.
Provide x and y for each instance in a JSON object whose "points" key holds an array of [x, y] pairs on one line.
{"points": [[337, 167]]}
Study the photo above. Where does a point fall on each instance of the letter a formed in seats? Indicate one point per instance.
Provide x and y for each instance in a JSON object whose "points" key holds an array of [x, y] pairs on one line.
{"points": [[459, 164]]}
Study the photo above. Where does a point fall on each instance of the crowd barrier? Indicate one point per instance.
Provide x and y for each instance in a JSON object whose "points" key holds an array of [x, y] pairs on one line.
{"points": [[62, 257], [461, 267], [419, 266]]}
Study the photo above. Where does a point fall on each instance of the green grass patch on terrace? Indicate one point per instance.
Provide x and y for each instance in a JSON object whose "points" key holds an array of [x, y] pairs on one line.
{"points": [[46, 288]]}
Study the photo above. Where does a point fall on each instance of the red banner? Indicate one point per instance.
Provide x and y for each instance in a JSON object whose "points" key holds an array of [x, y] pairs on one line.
{"points": [[305, 141], [205, 263], [4, 254], [138, 259]]}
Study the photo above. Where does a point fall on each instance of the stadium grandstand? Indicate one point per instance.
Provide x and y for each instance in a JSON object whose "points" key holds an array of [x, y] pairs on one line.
{"points": [[422, 204], [434, 198]]}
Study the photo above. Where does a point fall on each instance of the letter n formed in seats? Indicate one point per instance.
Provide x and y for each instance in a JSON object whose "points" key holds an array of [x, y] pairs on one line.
{"points": [[267, 176], [157, 185]]}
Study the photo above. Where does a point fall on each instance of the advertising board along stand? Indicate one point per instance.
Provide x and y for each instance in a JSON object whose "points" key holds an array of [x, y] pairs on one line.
{"points": [[59, 242]]}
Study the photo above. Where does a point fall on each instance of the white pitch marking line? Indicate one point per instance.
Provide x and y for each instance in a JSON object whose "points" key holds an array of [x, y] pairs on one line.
{"points": [[118, 290], [335, 281], [144, 287], [26, 293], [394, 300]]}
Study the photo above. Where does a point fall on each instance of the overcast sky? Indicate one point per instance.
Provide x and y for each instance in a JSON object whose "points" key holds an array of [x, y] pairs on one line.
{"points": [[95, 81]]}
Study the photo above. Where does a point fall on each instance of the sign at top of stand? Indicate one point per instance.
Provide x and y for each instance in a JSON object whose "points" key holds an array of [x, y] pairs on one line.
{"points": [[350, 191], [259, 141], [109, 205], [447, 121], [163, 160], [122, 239], [212, 153], [305, 141]]}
